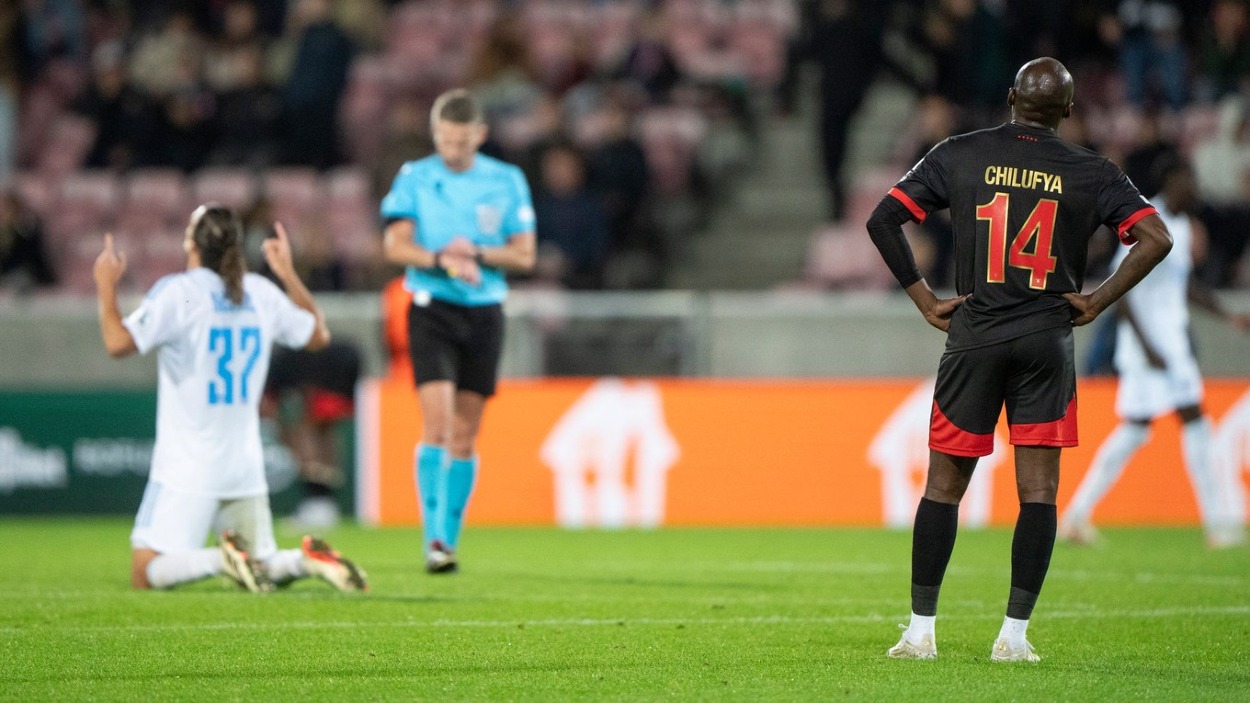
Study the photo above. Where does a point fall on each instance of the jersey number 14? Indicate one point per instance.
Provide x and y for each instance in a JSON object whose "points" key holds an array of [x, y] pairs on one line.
{"points": [[222, 343], [1039, 228]]}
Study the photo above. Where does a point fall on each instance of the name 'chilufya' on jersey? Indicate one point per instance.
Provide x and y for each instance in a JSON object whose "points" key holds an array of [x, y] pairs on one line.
{"points": [[1023, 205]]}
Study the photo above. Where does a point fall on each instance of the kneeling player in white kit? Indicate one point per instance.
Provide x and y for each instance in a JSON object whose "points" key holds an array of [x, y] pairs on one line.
{"points": [[1159, 375], [214, 325]]}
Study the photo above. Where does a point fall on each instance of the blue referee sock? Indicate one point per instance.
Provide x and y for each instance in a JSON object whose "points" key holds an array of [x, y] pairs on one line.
{"points": [[431, 489], [461, 475]]}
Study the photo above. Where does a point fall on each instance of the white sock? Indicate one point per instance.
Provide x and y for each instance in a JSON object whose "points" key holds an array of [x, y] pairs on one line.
{"points": [[1109, 463], [168, 570], [1196, 446], [1013, 631], [285, 566], [920, 626]]}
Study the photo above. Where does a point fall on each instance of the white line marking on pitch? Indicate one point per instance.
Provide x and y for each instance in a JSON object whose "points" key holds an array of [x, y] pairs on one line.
{"points": [[1219, 611]]}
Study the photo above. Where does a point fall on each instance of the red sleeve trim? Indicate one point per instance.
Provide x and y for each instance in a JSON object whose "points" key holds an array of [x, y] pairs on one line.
{"points": [[917, 212], [1133, 219]]}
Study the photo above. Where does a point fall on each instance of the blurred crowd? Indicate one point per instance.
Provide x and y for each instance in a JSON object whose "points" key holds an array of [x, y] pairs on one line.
{"points": [[629, 116]]}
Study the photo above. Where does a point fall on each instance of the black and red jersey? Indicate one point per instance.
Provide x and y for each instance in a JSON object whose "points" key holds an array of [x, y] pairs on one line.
{"points": [[1023, 205]]}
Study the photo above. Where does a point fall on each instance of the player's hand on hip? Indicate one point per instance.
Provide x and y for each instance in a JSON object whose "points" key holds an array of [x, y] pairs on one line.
{"points": [[277, 250], [1083, 310], [939, 314], [110, 265]]}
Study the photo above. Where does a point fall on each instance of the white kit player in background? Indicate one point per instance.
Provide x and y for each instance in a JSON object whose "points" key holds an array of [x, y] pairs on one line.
{"points": [[901, 452], [213, 326], [589, 450], [1159, 375], [1230, 456]]}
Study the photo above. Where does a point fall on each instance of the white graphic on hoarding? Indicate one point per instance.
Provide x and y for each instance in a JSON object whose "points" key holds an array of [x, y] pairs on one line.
{"points": [[1230, 455], [590, 451], [26, 466], [901, 452]]}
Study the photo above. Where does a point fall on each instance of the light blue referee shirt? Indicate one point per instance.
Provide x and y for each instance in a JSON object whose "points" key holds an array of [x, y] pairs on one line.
{"points": [[486, 204]]}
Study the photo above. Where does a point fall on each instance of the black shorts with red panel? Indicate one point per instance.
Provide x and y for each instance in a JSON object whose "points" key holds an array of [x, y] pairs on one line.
{"points": [[1034, 375]]}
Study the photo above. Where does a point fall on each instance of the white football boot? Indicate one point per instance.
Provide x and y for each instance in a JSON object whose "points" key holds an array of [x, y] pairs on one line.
{"points": [[325, 563], [926, 648], [1003, 651], [239, 565]]}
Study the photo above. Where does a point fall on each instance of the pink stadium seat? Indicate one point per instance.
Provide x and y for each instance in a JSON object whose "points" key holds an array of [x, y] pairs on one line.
{"points": [[96, 191], [842, 256], [67, 144], [156, 195], [37, 191], [235, 188], [295, 194], [670, 138]]}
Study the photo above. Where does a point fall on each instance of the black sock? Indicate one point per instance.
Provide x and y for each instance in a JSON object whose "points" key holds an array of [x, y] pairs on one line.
{"points": [[1031, 547], [933, 540], [315, 489]]}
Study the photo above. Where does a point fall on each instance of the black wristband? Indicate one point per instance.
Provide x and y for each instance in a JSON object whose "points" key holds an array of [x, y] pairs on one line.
{"points": [[438, 264], [478, 256]]}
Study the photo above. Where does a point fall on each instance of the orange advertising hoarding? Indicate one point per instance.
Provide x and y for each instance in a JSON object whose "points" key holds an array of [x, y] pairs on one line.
{"points": [[619, 453]]}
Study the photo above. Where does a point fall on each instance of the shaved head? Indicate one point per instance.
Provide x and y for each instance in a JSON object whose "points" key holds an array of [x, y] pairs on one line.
{"points": [[1042, 93]]}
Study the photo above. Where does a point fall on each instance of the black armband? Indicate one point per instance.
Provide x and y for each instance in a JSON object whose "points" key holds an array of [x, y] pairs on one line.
{"points": [[885, 227]]}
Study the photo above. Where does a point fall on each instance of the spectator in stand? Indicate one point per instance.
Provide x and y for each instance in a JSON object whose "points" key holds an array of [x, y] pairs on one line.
{"points": [[407, 139], [1222, 167], [52, 29], [573, 236], [1149, 34], [249, 115], [188, 121], [501, 75], [1224, 51], [618, 173], [124, 118], [648, 64], [313, 90], [168, 60], [846, 45], [229, 60], [10, 86], [1151, 148], [23, 261]]}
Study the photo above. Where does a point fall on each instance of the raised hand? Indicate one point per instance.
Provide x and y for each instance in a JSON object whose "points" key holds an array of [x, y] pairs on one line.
{"points": [[277, 250], [109, 266]]}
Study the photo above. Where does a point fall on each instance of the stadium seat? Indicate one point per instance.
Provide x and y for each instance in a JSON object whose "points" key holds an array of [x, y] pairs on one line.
{"points": [[156, 196], [232, 187], [842, 257], [295, 194], [68, 141]]}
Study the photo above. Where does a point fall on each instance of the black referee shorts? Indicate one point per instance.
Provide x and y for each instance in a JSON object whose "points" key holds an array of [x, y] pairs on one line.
{"points": [[458, 343], [1034, 375]]}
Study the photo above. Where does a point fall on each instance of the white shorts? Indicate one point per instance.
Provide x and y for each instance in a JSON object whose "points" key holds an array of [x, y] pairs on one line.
{"points": [[1145, 392], [170, 521]]}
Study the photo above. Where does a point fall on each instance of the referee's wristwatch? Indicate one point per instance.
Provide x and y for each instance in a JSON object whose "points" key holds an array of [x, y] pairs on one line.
{"points": [[478, 256]]}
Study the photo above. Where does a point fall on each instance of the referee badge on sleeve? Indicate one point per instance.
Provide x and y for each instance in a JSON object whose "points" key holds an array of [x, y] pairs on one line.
{"points": [[489, 219]]}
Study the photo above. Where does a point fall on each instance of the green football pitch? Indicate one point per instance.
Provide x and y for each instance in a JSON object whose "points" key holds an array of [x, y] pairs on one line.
{"points": [[671, 614]]}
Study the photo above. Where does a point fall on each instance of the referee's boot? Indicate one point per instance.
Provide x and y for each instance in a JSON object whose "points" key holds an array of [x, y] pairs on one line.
{"points": [[441, 559]]}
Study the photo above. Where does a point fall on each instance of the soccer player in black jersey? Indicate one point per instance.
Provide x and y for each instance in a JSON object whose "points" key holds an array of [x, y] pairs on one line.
{"points": [[1023, 205]]}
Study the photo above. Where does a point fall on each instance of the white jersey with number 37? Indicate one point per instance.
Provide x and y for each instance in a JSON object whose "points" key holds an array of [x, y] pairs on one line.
{"points": [[213, 358]]}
